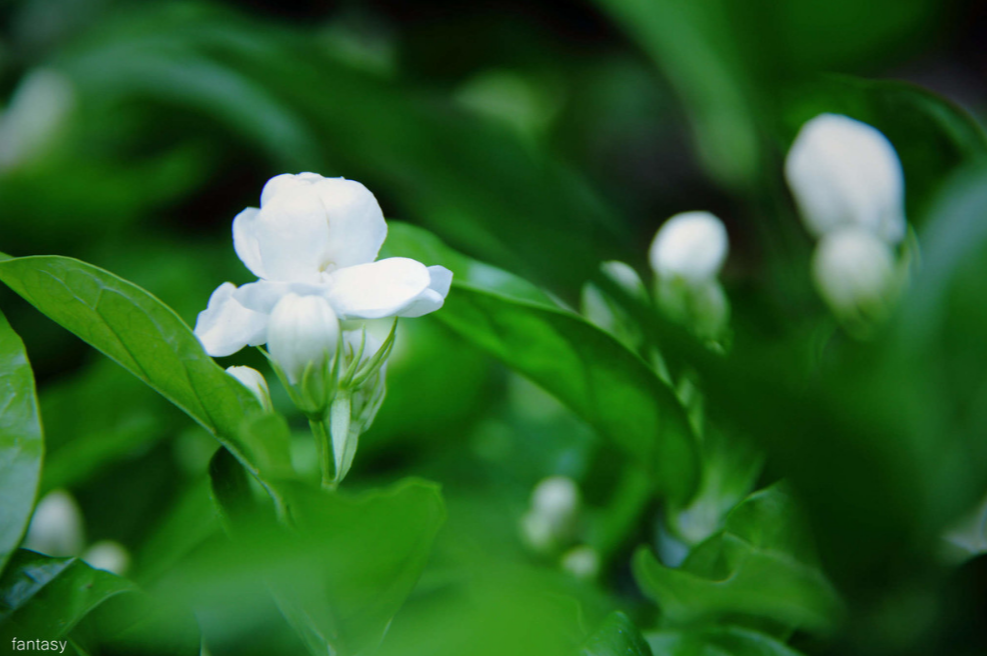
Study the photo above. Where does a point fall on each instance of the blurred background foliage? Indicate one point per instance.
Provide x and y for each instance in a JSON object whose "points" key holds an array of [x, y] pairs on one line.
{"points": [[541, 138]]}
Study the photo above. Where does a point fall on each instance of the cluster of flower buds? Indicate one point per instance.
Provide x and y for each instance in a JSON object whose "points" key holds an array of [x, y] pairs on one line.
{"points": [[550, 527], [313, 245], [686, 256], [56, 529], [849, 186]]}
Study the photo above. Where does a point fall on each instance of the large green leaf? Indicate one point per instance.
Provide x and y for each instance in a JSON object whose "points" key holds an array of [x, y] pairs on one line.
{"points": [[349, 562], [760, 565], [21, 443], [617, 637], [148, 339], [45, 598], [600, 380]]}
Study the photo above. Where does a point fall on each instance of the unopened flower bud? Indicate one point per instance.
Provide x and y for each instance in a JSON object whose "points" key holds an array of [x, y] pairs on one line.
{"points": [[303, 332], [691, 246], [56, 528], [846, 173], [556, 497], [254, 381], [582, 562], [855, 272], [108, 555]]}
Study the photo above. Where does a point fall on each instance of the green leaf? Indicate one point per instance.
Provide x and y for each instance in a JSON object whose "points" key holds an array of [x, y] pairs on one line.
{"points": [[44, 598], [21, 442], [695, 45], [353, 559], [148, 339], [618, 636], [717, 641], [760, 565], [587, 369]]}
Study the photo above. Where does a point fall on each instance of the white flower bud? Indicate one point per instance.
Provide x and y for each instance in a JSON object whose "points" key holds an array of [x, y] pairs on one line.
{"points": [[556, 497], [108, 555], [846, 173], [56, 528], [582, 562], [691, 246], [37, 112], [254, 381], [303, 331], [854, 271]]}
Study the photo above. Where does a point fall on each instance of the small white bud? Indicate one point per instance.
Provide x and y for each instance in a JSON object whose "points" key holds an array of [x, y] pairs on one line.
{"points": [[846, 173], [56, 528], [254, 381], [854, 272], [37, 112], [691, 246], [108, 555], [303, 331], [556, 497], [582, 562], [537, 533]]}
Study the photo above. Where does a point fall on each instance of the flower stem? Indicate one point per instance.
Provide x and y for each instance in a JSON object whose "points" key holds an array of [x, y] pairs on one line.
{"points": [[323, 444]]}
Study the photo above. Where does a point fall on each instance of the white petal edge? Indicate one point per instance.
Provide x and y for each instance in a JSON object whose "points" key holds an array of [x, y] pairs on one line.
{"points": [[356, 223], [378, 289], [263, 295], [245, 241], [225, 326], [432, 298]]}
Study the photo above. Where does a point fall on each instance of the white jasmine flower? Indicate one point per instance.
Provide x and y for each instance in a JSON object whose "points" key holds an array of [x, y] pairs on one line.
{"points": [[691, 246], [315, 236], [108, 555], [254, 381], [846, 173], [56, 527], [854, 271], [303, 332]]}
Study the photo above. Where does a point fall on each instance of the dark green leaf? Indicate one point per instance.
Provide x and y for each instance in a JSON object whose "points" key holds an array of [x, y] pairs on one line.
{"points": [[21, 443], [44, 598], [618, 636], [760, 565], [600, 380], [148, 339]]}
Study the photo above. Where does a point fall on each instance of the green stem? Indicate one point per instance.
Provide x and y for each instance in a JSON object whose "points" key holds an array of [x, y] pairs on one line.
{"points": [[323, 444]]}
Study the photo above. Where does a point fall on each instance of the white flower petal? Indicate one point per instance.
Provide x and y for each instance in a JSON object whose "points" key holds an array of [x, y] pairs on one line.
{"points": [[292, 236], [263, 295], [691, 245], [225, 326], [356, 224], [431, 298], [286, 183], [846, 173], [378, 289], [245, 240]]}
